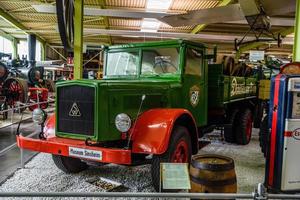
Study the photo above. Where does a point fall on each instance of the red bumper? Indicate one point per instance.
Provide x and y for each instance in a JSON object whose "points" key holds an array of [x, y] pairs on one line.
{"points": [[62, 146]]}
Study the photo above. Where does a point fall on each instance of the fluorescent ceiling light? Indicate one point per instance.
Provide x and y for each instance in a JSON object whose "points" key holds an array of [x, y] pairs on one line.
{"points": [[152, 25], [158, 4]]}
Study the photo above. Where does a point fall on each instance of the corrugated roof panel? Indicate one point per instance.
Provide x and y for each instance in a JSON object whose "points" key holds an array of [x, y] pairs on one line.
{"points": [[92, 2], [93, 20], [12, 30], [165, 28], [127, 3], [192, 4], [35, 17], [4, 23], [39, 25], [175, 30], [17, 5], [124, 22]]}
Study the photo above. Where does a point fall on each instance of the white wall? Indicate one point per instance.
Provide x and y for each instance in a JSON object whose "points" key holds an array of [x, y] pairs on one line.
{"points": [[6, 45], [23, 50]]}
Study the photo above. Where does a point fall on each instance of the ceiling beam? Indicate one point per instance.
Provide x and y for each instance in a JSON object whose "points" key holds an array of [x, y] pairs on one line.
{"points": [[201, 36], [200, 27], [254, 45], [275, 21], [139, 14], [16, 23], [7, 35], [50, 9]]}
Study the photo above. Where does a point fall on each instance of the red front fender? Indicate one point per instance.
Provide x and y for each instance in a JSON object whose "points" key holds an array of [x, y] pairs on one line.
{"points": [[49, 128], [152, 130], [154, 127]]}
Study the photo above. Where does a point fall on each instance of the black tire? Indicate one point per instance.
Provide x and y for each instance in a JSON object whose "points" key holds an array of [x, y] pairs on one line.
{"points": [[65, 21], [68, 164], [179, 134], [229, 133], [264, 134], [258, 114], [244, 123], [229, 65]]}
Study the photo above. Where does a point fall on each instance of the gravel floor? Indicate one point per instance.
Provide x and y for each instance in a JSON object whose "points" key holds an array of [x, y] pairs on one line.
{"points": [[40, 174]]}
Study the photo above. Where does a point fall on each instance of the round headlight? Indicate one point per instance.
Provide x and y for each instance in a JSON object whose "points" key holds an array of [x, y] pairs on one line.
{"points": [[38, 116], [123, 122]]}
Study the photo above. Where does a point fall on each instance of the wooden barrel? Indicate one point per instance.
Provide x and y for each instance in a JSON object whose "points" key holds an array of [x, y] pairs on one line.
{"points": [[212, 174]]}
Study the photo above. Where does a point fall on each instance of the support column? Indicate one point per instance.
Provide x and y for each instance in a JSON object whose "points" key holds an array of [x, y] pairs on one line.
{"points": [[31, 42], [15, 48], [296, 52], [78, 39], [43, 51]]}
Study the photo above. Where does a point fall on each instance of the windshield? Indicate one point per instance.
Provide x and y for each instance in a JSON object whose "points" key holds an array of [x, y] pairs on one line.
{"points": [[160, 61], [122, 63], [153, 62]]}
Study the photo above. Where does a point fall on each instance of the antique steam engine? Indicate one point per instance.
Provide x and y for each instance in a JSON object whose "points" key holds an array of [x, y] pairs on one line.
{"points": [[22, 84]]}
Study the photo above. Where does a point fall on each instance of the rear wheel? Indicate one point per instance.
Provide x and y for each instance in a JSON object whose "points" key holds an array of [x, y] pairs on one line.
{"points": [[244, 127], [16, 92], [179, 151], [68, 164], [264, 135], [229, 133]]}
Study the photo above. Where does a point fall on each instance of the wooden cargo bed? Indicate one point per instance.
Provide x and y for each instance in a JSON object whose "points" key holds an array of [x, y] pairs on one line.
{"points": [[223, 89]]}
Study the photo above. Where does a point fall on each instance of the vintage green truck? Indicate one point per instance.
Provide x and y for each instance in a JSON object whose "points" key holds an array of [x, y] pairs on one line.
{"points": [[154, 103]]}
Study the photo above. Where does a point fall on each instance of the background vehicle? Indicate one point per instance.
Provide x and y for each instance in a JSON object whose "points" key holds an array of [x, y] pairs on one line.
{"points": [[21, 84], [154, 103]]}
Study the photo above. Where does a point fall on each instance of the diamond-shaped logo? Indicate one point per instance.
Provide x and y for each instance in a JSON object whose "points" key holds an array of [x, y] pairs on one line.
{"points": [[75, 112]]}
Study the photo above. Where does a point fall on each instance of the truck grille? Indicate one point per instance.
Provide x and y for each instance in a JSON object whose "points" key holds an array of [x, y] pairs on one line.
{"points": [[75, 110]]}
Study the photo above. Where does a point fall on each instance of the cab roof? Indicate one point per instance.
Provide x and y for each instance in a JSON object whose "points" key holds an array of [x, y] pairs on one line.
{"points": [[156, 43]]}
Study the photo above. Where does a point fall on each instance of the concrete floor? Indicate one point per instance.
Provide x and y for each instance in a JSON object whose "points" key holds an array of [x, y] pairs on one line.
{"points": [[40, 174], [11, 160]]}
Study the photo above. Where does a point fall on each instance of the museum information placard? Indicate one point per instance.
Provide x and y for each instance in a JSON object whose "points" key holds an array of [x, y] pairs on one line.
{"points": [[175, 176]]}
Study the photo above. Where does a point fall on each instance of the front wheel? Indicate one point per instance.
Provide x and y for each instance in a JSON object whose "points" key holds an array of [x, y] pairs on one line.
{"points": [[244, 127], [68, 164], [179, 151]]}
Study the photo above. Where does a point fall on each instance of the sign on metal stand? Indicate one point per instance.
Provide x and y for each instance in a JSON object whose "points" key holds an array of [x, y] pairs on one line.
{"points": [[174, 176], [256, 55]]}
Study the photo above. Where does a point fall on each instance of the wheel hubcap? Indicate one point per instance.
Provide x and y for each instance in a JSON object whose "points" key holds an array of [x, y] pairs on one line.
{"points": [[180, 155]]}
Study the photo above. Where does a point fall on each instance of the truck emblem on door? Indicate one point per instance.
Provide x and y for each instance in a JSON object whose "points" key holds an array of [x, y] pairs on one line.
{"points": [[296, 134], [194, 95], [75, 112]]}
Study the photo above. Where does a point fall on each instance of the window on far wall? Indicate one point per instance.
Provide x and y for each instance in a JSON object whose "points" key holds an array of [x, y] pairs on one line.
{"points": [[6, 46], [23, 50]]}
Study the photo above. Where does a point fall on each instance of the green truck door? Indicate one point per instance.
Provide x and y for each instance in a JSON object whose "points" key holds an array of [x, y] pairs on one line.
{"points": [[193, 84]]}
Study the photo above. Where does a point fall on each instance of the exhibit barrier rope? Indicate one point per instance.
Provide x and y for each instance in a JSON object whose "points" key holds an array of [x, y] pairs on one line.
{"points": [[26, 106], [254, 195], [14, 145]]}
